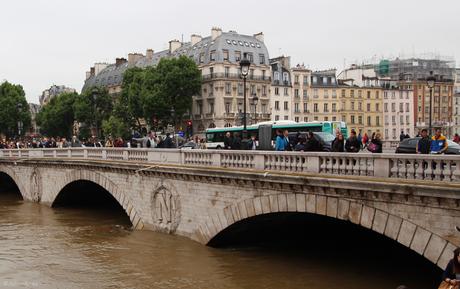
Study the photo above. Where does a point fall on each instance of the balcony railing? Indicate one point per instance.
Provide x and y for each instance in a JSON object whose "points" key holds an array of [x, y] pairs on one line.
{"points": [[233, 76]]}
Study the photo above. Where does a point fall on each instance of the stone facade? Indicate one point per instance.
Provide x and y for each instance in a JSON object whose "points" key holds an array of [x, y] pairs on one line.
{"points": [[201, 202]]}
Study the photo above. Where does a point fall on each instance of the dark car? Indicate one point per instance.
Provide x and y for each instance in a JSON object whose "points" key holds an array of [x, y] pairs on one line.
{"points": [[324, 138], [407, 146], [190, 145]]}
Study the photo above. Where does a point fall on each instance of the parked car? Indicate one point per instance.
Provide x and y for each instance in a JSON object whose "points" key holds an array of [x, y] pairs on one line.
{"points": [[407, 146], [190, 145]]}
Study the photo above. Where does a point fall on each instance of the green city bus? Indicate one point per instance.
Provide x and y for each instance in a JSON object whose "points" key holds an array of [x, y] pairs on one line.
{"points": [[215, 136]]}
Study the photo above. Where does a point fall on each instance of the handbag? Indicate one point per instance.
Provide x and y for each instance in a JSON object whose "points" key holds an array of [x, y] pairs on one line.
{"points": [[372, 147], [447, 285]]}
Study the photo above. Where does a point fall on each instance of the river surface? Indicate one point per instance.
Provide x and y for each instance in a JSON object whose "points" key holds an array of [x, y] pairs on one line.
{"points": [[65, 248]]}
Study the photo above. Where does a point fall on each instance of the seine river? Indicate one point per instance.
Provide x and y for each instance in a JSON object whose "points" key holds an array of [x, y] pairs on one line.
{"points": [[65, 248]]}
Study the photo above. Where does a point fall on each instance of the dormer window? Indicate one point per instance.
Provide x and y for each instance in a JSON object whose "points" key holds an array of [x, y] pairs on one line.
{"points": [[212, 56], [276, 75]]}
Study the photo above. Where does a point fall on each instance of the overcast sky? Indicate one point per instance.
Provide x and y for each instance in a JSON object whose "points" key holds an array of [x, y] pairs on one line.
{"points": [[45, 42]]}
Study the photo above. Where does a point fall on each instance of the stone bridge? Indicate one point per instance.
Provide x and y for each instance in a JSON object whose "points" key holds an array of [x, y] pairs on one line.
{"points": [[412, 199]]}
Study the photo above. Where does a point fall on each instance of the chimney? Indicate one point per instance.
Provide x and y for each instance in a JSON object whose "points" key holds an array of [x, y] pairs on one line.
{"points": [[259, 36], [119, 61], [133, 58], [92, 71], [215, 32], [149, 54], [195, 39], [174, 45]]}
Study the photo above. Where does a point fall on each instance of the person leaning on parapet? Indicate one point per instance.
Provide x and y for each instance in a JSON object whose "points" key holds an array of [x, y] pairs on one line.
{"points": [[438, 143], [338, 144], [451, 274], [352, 145], [252, 143], [424, 144]]}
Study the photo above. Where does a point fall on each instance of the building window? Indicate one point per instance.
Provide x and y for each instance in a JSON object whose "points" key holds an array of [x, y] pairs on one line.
{"points": [[228, 88], [264, 90], [393, 107], [369, 123], [261, 59], [225, 52], [237, 56], [343, 92], [360, 119], [385, 107], [305, 107], [352, 105], [211, 107], [240, 89], [277, 117], [326, 93], [305, 119], [227, 72], [296, 79], [324, 80], [211, 89], [212, 56], [253, 89], [334, 107], [334, 93], [368, 107], [407, 107], [360, 94], [277, 91], [296, 92], [202, 57], [368, 94], [285, 77], [264, 108], [315, 93], [315, 107], [305, 96], [334, 118], [315, 79], [227, 107], [276, 75], [286, 117], [296, 107], [277, 105], [286, 105], [401, 107], [326, 118], [286, 93], [240, 106], [325, 108], [305, 80], [377, 95], [352, 93], [250, 57], [377, 107], [352, 118]]}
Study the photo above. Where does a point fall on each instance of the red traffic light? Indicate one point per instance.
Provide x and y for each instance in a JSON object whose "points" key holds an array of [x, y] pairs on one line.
{"points": [[189, 123]]}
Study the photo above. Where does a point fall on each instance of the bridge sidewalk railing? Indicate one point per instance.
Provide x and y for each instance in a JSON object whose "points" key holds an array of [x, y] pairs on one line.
{"points": [[400, 166]]}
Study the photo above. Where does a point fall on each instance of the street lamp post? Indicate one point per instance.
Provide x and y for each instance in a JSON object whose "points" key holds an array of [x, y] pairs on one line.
{"points": [[430, 81], [255, 100], [19, 106], [244, 64], [95, 113]]}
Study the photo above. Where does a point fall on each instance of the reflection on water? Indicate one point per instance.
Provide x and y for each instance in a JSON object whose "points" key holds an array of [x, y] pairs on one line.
{"points": [[41, 247]]}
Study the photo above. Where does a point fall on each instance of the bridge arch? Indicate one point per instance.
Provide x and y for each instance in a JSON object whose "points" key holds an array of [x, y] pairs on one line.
{"points": [[415, 237], [118, 194], [12, 175]]}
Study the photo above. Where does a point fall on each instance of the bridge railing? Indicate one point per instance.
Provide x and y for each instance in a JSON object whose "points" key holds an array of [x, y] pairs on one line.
{"points": [[398, 166]]}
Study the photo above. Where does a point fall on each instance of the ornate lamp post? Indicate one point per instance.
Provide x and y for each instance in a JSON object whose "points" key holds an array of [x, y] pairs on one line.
{"points": [[430, 82], [244, 64], [94, 94], [255, 100], [19, 106]]}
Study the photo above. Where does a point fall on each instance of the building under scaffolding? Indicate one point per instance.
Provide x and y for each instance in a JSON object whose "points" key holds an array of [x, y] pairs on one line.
{"points": [[412, 69]]}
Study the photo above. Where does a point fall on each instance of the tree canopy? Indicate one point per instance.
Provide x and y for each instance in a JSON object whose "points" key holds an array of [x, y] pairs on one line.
{"points": [[14, 109], [57, 117]]}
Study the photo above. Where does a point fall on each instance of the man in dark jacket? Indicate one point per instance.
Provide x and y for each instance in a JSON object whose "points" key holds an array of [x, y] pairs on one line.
{"points": [[228, 141], [424, 144], [313, 144], [352, 145]]}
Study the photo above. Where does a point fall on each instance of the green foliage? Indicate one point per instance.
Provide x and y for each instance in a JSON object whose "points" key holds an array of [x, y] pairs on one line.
{"points": [[57, 117], [13, 109], [93, 106], [116, 127], [154, 92]]}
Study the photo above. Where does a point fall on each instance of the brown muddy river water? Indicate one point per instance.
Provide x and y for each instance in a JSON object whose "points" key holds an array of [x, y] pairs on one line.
{"points": [[66, 248]]}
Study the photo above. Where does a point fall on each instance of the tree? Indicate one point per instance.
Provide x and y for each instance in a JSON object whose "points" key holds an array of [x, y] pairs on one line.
{"points": [[57, 117], [116, 127], [163, 92], [92, 107], [129, 106], [14, 110], [176, 81]]}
